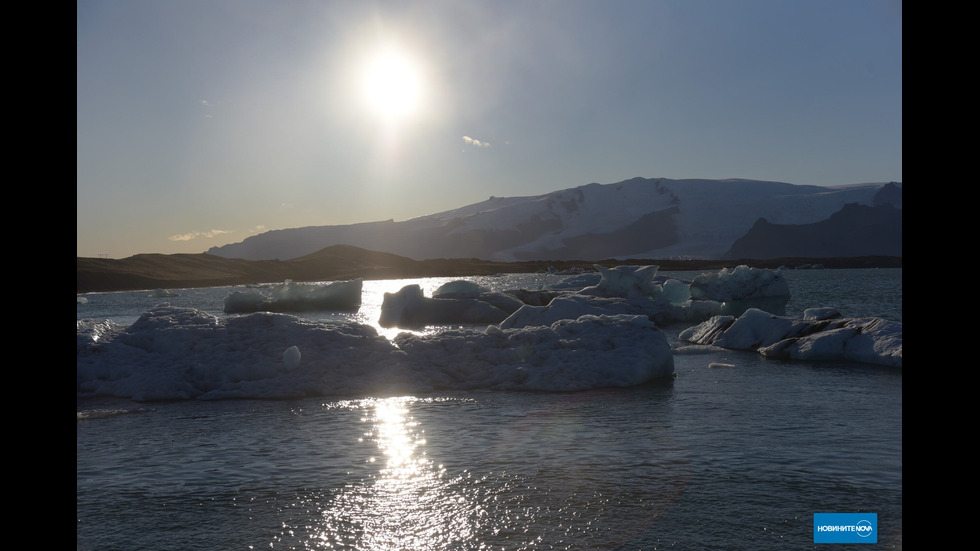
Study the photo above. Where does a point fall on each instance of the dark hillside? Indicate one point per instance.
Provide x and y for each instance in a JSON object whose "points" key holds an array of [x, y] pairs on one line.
{"points": [[344, 262], [855, 230]]}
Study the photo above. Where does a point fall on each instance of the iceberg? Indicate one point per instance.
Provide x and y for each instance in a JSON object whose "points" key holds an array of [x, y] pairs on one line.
{"points": [[591, 351], [163, 293], [606, 333], [625, 281], [410, 308], [173, 353], [741, 288], [290, 296], [574, 305], [458, 288], [821, 335], [632, 290]]}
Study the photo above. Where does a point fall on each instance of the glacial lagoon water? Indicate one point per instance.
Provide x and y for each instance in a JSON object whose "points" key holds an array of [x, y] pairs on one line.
{"points": [[717, 458]]}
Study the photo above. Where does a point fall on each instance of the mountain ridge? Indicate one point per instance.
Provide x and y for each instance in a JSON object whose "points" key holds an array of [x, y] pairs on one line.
{"points": [[879, 228], [634, 218]]}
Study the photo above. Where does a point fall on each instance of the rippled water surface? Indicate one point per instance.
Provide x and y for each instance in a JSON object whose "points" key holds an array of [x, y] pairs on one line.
{"points": [[719, 458]]}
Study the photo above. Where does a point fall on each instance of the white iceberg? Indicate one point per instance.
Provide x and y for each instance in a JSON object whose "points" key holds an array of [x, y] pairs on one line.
{"points": [[290, 296], [632, 290], [182, 353], [822, 337], [741, 288], [410, 308]]}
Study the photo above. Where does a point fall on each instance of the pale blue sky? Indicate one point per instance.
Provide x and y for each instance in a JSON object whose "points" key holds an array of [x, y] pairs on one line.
{"points": [[202, 122]]}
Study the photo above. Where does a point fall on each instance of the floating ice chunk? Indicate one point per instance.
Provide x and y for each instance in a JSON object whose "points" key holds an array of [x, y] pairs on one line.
{"points": [[573, 306], [249, 300], [740, 283], [507, 302], [626, 289], [91, 331], [410, 308], [290, 296], [576, 282], [535, 297], [866, 340], [584, 353], [743, 288], [676, 291], [291, 357], [463, 289], [459, 288], [625, 282], [182, 353], [163, 293]]}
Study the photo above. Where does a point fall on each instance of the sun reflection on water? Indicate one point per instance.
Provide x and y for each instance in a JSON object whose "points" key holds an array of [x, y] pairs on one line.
{"points": [[410, 503]]}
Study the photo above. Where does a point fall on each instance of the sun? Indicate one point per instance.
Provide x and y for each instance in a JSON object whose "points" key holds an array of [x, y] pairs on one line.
{"points": [[392, 86]]}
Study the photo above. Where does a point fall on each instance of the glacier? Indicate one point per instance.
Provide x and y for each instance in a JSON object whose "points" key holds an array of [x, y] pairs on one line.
{"points": [[635, 218]]}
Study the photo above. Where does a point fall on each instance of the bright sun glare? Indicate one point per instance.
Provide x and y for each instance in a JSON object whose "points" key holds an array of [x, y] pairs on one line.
{"points": [[392, 86]]}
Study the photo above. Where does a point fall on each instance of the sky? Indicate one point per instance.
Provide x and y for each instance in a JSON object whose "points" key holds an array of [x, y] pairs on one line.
{"points": [[203, 122]]}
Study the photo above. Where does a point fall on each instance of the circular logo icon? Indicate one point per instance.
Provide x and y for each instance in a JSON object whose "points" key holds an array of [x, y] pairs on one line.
{"points": [[864, 528]]}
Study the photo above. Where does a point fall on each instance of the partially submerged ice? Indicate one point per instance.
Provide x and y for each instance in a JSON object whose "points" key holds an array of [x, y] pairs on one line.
{"points": [[741, 288], [823, 335], [410, 308], [632, 290], [291, 296], [182, 353]]}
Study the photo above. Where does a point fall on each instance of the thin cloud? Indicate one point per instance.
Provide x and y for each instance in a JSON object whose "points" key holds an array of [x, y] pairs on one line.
{"points": [[194, 235], [475, 143]]}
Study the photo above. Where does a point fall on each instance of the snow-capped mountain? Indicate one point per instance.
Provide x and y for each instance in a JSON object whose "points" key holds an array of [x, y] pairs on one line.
{"points": [[637, 218]]}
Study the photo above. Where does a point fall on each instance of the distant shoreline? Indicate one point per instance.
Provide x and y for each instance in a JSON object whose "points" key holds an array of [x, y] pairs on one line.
{"points": [[341, 263]]}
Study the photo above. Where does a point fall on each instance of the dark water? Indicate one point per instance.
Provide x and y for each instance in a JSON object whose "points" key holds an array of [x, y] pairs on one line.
{"points": [[719, 458]]}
